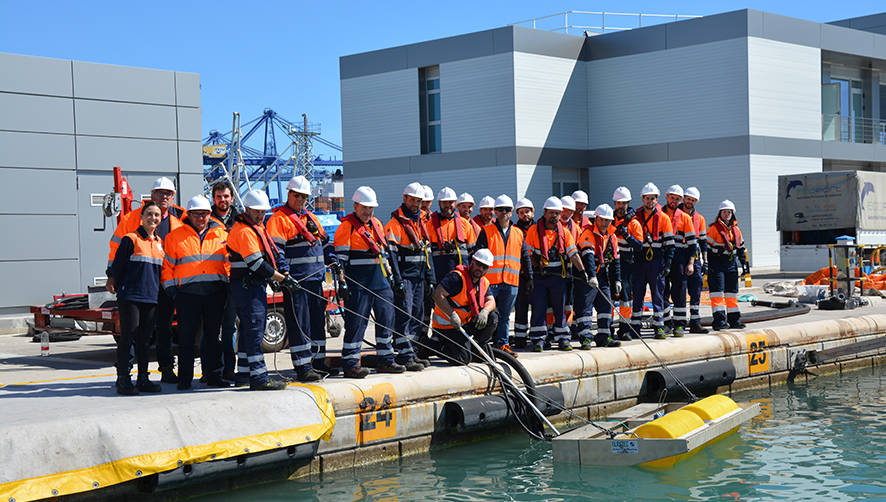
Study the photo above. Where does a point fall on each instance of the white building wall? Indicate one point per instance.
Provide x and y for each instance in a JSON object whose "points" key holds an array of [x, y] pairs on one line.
{"points": [[678, 94], [534, 183], [380, 115], [784, 89], [476, 103], [551, 101], [764, 173]]}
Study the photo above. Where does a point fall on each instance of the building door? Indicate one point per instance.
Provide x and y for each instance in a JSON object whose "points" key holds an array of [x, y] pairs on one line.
{"points": [[859, 131], [830, 112]]}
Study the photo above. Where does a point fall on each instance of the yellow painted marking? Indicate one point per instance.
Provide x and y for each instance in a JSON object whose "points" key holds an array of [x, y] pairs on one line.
{"points": [[758, 356], [375, 416]]}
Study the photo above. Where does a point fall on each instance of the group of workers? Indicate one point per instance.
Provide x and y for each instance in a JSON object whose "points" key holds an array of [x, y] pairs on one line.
{"points": [[427, 280]]}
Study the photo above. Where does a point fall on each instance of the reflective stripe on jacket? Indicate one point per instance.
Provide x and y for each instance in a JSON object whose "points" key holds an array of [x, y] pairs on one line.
{"points": [[506, 267], [460, 302], [192, 261]]}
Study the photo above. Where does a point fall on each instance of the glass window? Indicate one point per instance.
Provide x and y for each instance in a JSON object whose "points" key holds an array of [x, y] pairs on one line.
{"points": [[434, 138], [433, 107], [429, 109]]}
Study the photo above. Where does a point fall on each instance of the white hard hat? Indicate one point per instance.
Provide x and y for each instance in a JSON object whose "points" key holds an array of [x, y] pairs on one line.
{"points": [[621, 194], [675, 189], [415, 189], [692, 192], [465, 197], [568, 202], [484, 256], [365, 196], [580, 196], [604, 211], [256, 199], [503, 201], [429, 194], [487, 201], [163, 183], [199, 203], [650, 189], [554, 204], [299, 184], [524, 202], [727, 204], [445, 194]]}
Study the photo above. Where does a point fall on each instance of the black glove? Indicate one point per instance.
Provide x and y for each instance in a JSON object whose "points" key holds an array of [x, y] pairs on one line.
{"points": [[704, 268], [530, 285], [343, 292], [745, 269], [430, 286], [622, 231], [665, 271], [399, 289], [275, 286], [290, 283]]}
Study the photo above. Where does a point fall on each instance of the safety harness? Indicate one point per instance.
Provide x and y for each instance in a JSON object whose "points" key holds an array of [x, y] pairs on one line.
{"points": [[267, 247], [545, 248], [648, 236], [300, 227], [459, 232], [409, 226], [475, 302], [727, 233], [373, 244]]}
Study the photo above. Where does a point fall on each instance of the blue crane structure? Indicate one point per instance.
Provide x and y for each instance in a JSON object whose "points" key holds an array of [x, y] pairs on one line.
{"points": [[248, 155]]}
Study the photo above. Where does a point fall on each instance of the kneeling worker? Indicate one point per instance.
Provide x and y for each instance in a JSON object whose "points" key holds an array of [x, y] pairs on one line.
{"points": [[599, 253], [462, 301], [255, 260]]}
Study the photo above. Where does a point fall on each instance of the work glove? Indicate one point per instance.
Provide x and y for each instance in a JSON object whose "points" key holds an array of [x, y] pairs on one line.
{"points": [[617, 288], [704, 268], [455, 321], [343, 291], [745, 269], [622, 231], [593, 282], [290, 283], [335, 267], [399, 289], [430, 286], [275, 286], [482, 318], [530, 285], [665, 272]]}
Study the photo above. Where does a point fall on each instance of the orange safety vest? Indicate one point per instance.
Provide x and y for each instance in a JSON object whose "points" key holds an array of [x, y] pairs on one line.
{"points": [[591, 241], [466, 304], [190, 260], [506, 267], [132, 220], [724, 240]]}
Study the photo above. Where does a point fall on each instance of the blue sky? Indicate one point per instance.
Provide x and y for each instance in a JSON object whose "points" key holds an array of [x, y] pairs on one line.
{"points": [[284, 55]]}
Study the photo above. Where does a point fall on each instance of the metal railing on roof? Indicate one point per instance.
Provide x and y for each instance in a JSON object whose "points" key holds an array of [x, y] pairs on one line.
{"points": [[598, 20], [852, 129]]}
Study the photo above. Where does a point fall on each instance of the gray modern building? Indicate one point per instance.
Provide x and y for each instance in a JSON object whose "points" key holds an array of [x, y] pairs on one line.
{"points": [[725, 102], [64, 125]]}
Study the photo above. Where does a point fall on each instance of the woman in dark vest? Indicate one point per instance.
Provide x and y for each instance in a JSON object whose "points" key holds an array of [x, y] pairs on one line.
{"points": [[136, 274]]}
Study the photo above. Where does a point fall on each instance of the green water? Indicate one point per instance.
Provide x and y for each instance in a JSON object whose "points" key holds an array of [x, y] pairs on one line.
{"points": [[821, 440]]}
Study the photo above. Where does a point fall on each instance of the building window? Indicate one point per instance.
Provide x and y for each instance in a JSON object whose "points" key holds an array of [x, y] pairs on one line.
{"points": [[429, 109]]}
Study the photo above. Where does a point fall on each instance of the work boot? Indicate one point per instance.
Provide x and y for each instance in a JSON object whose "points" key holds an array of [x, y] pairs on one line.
{"points": [[241, 380], [424, 362], [736, 325], [696, 328], [217, 381], [585, 344], [184, 385], [507, 348], [308, 375], [660, 333], [269, 384], [125, 387], [145, 385], [520, 343], [610, 342], [678, 332], [229, 376], [668, 328], [564, 345], [321, 367], [624, 337], [167, 375], [391, 368], [717, 326], [535, 346], [413, 365], [356, 372]]}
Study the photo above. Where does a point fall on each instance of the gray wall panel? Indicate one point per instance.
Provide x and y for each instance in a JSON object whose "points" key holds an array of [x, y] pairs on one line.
{"points": [[707, 29], [789, 30], [39, 191], [839, 39], [190, 185], [187, 89], [189, 124], [48, 151], [145, 155], [625, 43], [45, 237], [105, 118], [548, 43], [550, 101], [36, 281], [26, 113], [123, 83], [467, 46], [190, 157], [33, 75]]}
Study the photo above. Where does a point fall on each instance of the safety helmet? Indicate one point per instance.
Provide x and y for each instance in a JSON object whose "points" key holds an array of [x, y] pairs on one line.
{"points": [[365, 196], [199, 203], [554, 204], [415, 189], [621, 194], [504, 201], [692, 192], [604, 211], [299, 184], [445, 194], [484, 256], [727, 204], [675, 189], [429, 194], [487, 201], [524, 202], [256, 199], [568, 202], [163, 183], [465, 197], [580, 196], [650, 189]]}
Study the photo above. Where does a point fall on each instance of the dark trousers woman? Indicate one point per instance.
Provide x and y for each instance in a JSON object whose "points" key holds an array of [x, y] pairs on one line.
{"points": [[136, 325]]}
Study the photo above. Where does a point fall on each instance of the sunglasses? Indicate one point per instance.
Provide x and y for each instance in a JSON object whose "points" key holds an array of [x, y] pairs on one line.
{"points": [[502, 210]]}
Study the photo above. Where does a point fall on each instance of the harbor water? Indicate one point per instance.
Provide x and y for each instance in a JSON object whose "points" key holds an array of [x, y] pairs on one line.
{"points": [[821, 439]]}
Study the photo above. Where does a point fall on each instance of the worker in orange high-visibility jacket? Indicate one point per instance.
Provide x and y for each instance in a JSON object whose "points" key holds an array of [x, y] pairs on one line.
{"points": [[463, 305], [255, 262], [599, 253], [225, 212], [623, 213], [464, 205], [574, 229], [695, 281], [363, 251], [308, 250], [581, 205], [451, 235], [485, 213], [683, 265], [525, 219], [195, 276], [552, 248], [162, 194], [725, 251], [652, 236], [510, 255], [426, 201]]}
